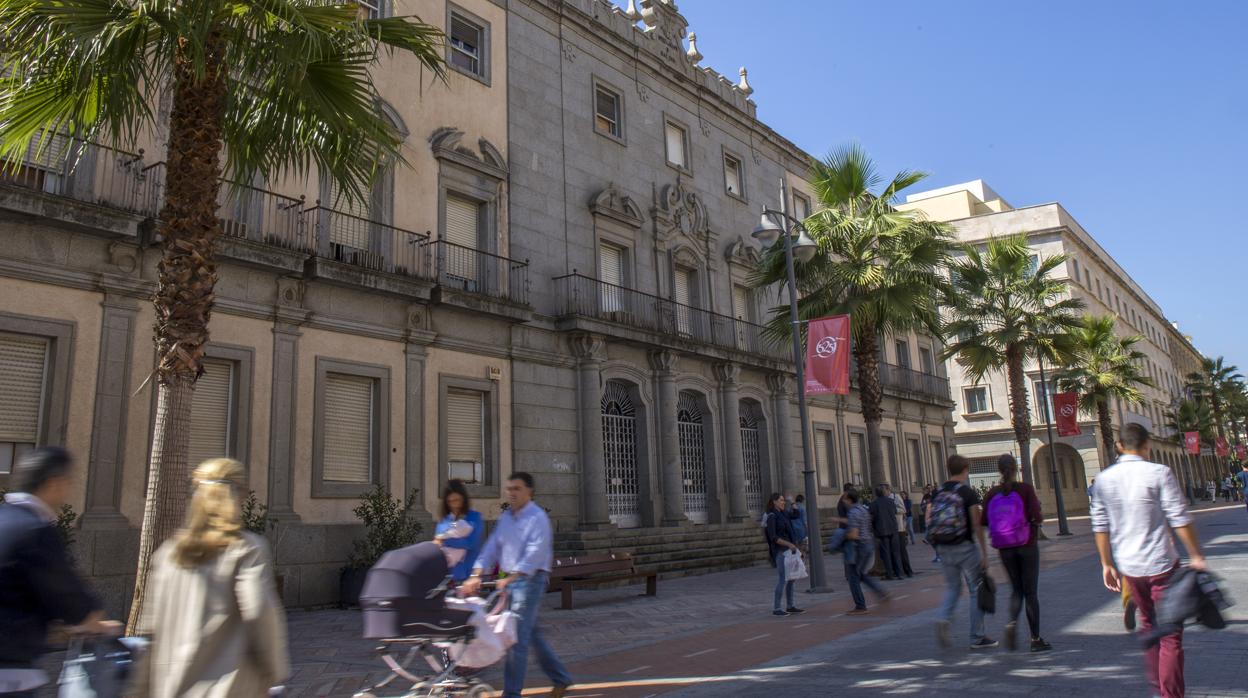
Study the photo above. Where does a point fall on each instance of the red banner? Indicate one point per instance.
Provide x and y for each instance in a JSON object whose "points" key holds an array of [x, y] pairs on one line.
{"points": [[827, 356], [1241, 452], [1066, 405], [1191, 439], [1223, 450]]}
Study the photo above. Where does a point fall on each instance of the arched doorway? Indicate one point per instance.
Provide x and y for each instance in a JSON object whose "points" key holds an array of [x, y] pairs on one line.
{"points": [[1069, 468], [753, 452], [689, 422], [619, 450]]}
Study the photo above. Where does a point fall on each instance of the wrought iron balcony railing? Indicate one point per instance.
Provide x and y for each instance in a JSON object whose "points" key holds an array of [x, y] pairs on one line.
{"points": [[587, 297], [478, 272], [350, 239], [897, 377], [82, 171]]}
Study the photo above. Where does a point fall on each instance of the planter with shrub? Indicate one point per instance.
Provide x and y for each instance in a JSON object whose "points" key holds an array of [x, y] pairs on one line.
{"points": [[388, 525]]}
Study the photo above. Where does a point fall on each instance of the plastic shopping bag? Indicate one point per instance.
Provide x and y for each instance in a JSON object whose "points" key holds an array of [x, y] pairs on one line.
{"points": [[794, 568]]}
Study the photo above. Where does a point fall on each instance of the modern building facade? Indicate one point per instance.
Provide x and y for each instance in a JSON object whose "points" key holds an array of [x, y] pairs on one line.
{"points": [[559, 283], [983, 424]]}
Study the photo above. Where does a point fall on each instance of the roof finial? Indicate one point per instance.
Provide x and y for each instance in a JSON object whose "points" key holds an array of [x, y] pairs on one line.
{"points": [[631, 12], [744, 85], [693, 53]]}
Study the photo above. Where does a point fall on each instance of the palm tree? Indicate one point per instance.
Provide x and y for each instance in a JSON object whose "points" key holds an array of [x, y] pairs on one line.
{"points": [[1187, 416], [1104, 367], [1211, 385], [1005, 309], [878, 264], [277, 86]]}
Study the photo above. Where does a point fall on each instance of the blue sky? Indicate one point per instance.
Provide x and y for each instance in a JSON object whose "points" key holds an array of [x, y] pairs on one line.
{"points": [[1132, 115]]}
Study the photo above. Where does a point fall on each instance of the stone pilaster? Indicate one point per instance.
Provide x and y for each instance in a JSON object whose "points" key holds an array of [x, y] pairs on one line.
{"points": [[728, 375], [108, 428], [664, 365], [790, 478], [590, 352]]}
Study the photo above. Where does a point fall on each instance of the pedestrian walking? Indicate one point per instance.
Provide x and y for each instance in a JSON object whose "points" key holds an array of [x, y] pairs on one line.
{"points": [[884, 528], [780, 541], [38, 584], [1012, 515], [1226, 488], [920, 521], [461, 530], [798, 520], [1137, 506], [522, 548], [859, 552], [953, 525], [1211, 491], [1242, 476], [1091, 486], [215, 622]]}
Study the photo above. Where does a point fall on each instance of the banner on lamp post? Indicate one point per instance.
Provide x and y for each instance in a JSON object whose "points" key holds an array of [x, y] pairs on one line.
{"points": [[1067, 407], [827, 356], [1191, 439], [1221, 447], [1241, 452]]}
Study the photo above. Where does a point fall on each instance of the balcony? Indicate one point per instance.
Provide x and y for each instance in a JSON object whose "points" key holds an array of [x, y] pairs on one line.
{"points": [[584, 297], [69, 172], [908, 380], [481, 281]]}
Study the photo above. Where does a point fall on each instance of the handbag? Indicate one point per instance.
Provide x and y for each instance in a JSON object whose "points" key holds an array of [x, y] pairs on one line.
{"points": [[794, 568], [986, 593]]}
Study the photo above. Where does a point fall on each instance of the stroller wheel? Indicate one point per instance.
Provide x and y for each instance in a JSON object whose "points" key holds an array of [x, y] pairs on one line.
{"points": [[481, 690]]}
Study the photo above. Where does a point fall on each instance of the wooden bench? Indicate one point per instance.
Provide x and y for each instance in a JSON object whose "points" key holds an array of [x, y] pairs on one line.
{"points": [[587, 571]]}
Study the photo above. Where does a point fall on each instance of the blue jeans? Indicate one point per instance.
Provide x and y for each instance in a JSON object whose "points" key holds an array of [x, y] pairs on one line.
{"points": [[960, 562], [783, 588], [525, 596], [910, 530], [858, 560]]}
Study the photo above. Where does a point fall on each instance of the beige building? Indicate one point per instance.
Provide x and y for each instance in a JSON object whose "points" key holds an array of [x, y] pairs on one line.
{"points": [[983, 425], [558, 283]]}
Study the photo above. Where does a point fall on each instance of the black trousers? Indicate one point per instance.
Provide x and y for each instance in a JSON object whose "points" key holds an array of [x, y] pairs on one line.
{"points": [[889, 550], [903, 552], [1023, 566]]}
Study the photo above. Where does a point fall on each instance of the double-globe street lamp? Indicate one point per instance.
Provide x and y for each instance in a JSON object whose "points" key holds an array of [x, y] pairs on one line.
{"points": [[774, 225]]}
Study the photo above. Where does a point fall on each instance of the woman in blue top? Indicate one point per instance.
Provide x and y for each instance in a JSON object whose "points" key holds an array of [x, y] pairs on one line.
{"points": [[458, 515]]}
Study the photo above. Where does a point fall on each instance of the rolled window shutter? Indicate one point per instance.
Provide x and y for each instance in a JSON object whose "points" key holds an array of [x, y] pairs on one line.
{"points": [[821, 456], [348, 443], [675, 145], [682, 286], [462, 217], [351, 228], [611, 259], [23, 372], [740, 303], [465, 433], [211, 413]]}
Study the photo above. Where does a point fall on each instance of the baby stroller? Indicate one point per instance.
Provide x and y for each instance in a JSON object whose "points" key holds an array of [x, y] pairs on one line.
{"points": [[406, 607]]}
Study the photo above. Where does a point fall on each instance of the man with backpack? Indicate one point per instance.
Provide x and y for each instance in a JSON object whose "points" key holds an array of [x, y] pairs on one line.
{"points": [[1012, 514], [1138, 505], [953, 526]]}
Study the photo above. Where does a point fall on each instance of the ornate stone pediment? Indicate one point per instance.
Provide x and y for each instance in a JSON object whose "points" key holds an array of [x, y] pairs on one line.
{"points": [[744, 254], [445, 143], [666, 26], [611, 202], [680, 212]]}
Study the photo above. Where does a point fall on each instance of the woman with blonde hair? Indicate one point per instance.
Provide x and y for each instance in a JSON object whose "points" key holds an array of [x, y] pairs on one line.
{"points": [[213, 615]]}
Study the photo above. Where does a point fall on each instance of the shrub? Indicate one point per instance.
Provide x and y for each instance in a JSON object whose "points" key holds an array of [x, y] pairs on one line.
{"points": [[387, 526]]}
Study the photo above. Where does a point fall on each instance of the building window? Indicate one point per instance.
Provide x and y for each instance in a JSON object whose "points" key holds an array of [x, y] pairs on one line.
{"points": [[469, 45], [468, 427], [801, 206], [1087, 279], [734, 178], [1033, 264], [23, 383], [976, 399], [890, 459], [608, 112], [1074, 263], [902, 347], [742, 303], [926, 361], [676, 139], [824, 458], [858, 456], [212, 418], [938, 460], [916, 464], [351, 431], [1041, 396], [373, 9]]}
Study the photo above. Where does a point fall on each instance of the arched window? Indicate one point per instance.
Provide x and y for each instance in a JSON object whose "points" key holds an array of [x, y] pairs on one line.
{"points": [[689, 418], [619, 447]]}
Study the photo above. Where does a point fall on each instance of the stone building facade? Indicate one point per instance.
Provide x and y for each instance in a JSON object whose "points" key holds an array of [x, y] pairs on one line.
{"points": [[559, 283], [983, 425]]}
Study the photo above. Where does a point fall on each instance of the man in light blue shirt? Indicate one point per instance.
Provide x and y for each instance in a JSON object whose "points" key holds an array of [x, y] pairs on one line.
{"points": [[521, 546]]}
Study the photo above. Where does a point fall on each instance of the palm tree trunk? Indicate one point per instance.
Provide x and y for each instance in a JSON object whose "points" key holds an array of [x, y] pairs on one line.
{"points": [[871, 394], [1020, 413], [1105, 425], [184, 295]]}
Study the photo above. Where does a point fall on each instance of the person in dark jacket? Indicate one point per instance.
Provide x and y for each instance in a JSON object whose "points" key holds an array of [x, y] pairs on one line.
{"points": [[781, 539], [884, 527], [38, 584], [1021, 562]]}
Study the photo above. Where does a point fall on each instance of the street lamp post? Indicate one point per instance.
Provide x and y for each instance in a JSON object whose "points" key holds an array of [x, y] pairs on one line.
{"points": [[1063, 527], [804, 249]]}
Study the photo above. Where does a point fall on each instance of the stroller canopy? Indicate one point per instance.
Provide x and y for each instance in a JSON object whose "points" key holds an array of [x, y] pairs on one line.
{"points": [[407, 573]]}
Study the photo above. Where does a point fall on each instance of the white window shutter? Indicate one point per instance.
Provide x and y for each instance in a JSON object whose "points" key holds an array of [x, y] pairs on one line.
{"points": [[465, 434], [211, 413], [23, 370], [462, 221], [351, 228], [683, 286], [676, 145], [821, 456], [611, 260], [348, 449], [741, 302]]}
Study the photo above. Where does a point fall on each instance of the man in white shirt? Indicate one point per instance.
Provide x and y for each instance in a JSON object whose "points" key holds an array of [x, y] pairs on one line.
{"points": [[1137, 505]]}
